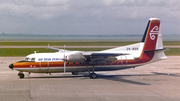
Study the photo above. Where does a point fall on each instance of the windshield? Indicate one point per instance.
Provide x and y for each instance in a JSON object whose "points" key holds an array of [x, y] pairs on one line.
{"points": [[29, 59]]}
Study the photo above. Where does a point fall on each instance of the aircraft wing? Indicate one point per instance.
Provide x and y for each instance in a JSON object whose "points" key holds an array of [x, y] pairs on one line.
{"points": [[99, 57], [99, 54], [56, 49]]}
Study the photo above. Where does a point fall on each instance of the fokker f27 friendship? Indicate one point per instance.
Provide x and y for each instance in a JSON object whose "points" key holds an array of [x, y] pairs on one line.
{"points": [[149, 50]]}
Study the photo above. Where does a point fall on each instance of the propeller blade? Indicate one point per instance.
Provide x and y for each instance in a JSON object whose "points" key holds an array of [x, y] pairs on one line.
{"points": [[64, 66], [64, 60]]}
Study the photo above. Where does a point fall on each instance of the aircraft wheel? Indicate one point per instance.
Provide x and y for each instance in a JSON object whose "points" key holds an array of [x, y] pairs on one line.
{"points": [[21, 75], [93, 75], [75, 73]]}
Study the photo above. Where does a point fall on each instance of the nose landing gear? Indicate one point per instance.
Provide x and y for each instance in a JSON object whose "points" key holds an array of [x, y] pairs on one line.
{"points": [[21, 75]]}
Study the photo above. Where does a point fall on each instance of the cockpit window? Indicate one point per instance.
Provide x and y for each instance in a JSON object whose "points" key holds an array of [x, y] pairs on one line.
{"points": [[26, 59], [29, 59], [33, 59]]}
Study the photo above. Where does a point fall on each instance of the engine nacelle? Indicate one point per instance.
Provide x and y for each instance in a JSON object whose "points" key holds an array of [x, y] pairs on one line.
{"points": [[78, 57], [111, 59]]}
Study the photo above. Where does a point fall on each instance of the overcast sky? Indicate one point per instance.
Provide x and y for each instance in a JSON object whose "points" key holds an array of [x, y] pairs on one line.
{"points": [[89, 17]]}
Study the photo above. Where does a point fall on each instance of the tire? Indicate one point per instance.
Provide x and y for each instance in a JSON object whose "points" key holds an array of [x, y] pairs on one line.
{"points": [[21, 75], [93, 75], [75, 73]]}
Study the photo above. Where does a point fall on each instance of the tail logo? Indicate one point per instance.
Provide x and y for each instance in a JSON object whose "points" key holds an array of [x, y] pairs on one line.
{"points": [[154, 31]]}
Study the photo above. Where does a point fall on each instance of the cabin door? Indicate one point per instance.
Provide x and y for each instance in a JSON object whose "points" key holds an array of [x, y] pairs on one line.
{"points": [[124, 61]]}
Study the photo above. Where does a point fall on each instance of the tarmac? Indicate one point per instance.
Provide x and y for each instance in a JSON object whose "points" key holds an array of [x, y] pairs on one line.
{"points": [[159, 81]]}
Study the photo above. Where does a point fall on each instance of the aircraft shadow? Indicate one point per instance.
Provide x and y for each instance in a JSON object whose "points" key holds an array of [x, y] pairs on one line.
{"points": [[118, 78], [121, 79], [168, 74]]}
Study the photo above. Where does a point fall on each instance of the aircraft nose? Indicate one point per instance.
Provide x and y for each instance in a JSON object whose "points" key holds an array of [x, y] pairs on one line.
{"points": [[11, 66]]}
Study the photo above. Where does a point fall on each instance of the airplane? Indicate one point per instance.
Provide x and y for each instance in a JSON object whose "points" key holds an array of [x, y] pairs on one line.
{"points": [[149, 50]]}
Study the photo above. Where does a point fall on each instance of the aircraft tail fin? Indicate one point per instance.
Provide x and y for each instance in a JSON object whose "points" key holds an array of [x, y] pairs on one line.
{"points": [[152, 39], [152, 34]]}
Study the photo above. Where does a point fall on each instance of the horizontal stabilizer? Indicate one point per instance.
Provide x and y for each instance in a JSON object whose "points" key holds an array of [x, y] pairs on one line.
{"points": [[157, 50]]}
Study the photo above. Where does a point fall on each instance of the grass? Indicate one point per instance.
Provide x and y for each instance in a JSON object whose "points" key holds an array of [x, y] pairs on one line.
{"points": [[90, 43], [21, 51], [173, 52], [80, 43], [27, 51], [169, 43]]}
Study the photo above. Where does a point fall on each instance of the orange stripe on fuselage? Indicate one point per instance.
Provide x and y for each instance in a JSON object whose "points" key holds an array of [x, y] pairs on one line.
{"points": [[145, 58], [37, 64]]}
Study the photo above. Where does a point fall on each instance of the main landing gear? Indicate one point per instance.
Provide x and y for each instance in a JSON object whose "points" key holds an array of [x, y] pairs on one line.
{"points": [[92, 75], [75, 73], [21, 75]]}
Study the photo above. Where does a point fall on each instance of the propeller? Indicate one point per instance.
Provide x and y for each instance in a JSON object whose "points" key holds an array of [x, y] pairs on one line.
{"points": [[64, 60]]}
